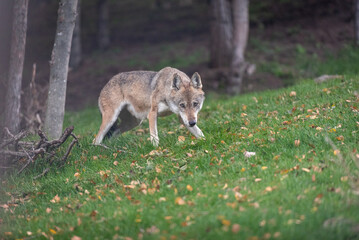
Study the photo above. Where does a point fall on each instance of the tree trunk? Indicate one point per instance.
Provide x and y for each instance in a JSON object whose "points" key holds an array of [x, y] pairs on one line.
{"points": [[357, 22], [103, 37], [17, 55], [240, 37], [76, 48], [59, 68], [221, 34]]}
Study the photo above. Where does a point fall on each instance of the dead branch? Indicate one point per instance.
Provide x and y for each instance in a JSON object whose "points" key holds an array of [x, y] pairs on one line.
{"points": [[13, 138], [17, 149]]}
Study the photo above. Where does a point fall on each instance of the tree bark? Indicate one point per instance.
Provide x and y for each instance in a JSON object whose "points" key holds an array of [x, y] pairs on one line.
{"points": [[17, 55], [59, 68], [357, 22], [240, 37], [76, 47], [103, 36], [221, 34]]}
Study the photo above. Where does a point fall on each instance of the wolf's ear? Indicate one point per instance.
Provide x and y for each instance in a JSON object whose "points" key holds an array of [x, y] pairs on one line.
{"points": [[176, 82], [196, 80]]}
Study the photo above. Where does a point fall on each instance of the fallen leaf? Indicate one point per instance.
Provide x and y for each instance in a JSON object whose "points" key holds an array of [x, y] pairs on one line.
{"points": [[306, 169], [236, 227], [76, 238], [48, 210], [152, 230], [340, 138], [189, 188], [181, 138], [179, 201], [249, 154], [226, 222], [292, 94], [115, 163], [56, 199]]}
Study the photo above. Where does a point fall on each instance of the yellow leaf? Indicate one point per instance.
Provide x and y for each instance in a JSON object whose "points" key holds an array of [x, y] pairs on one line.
{"points": [[336, 152], [226, 222], [179, 201], [264, 168], [52, 231], [189, 188]]}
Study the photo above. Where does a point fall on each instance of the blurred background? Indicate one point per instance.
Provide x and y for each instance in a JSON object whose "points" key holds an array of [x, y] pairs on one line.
{"points": [[288, 41]]}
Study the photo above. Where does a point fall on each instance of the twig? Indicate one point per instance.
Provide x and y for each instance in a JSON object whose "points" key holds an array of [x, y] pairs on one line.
{"points": [[63, 160], [46, 170], [15, 138]]}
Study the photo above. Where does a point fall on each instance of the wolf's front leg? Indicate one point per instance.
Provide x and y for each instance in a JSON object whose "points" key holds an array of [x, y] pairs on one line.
{"points": [[152, 119], [196, 131]]}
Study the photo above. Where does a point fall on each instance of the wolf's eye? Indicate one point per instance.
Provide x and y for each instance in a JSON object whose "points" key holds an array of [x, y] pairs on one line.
{"points": [[182, 105], [195, 104]]}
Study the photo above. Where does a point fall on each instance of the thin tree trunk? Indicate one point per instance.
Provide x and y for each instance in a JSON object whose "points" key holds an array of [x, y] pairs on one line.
{"points": [[17, 55], [76, 48], [240, 37], [221, 34], [59, 68], [103, 37], [357, 22]]}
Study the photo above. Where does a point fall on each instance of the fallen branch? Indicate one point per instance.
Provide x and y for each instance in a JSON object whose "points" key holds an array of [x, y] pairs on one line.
{"points": [[17, 149]]}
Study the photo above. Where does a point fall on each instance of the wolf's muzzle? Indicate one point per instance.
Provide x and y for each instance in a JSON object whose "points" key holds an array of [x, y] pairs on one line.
{"points": [[192, 123]]}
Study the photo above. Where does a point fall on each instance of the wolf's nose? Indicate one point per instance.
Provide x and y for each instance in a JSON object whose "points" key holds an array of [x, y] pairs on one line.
{"points": [[192, 123]]}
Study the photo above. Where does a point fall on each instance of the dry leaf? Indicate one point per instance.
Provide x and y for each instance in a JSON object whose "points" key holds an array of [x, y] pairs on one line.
{"points": [[189, 188], [226, 222], [56, 199], [179, 201], [236, 227], [181, 138], [249, 154]]}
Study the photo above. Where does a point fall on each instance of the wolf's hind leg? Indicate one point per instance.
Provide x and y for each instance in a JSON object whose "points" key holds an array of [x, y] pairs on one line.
{"points": [[127, 122], [109, 117]]}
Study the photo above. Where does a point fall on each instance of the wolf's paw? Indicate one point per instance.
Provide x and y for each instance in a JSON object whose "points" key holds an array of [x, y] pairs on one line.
{"points": [[155, 141], [100, 145]]}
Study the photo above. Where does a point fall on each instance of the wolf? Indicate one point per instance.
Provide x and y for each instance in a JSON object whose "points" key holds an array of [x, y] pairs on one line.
{"points": [[135, 96]]}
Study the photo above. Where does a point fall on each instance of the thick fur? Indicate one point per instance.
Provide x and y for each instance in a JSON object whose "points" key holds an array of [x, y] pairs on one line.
{"points": [[134, 96]]}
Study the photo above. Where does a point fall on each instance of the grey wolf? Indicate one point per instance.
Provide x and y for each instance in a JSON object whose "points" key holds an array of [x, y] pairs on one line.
{"points": [[135, 96]]}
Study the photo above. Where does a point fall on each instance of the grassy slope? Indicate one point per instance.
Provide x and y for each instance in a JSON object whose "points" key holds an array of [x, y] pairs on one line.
{"points": [[205, 189]]}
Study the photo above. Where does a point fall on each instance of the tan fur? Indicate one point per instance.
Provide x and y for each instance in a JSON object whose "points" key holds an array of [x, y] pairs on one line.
{"points": [[133, 96]]}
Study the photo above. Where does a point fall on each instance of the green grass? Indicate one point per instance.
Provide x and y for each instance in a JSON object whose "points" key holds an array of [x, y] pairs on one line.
{"points": [[205, 189]]}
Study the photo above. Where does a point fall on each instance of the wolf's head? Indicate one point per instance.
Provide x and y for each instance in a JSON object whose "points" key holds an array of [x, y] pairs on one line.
{"points": [[186, 97]]}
